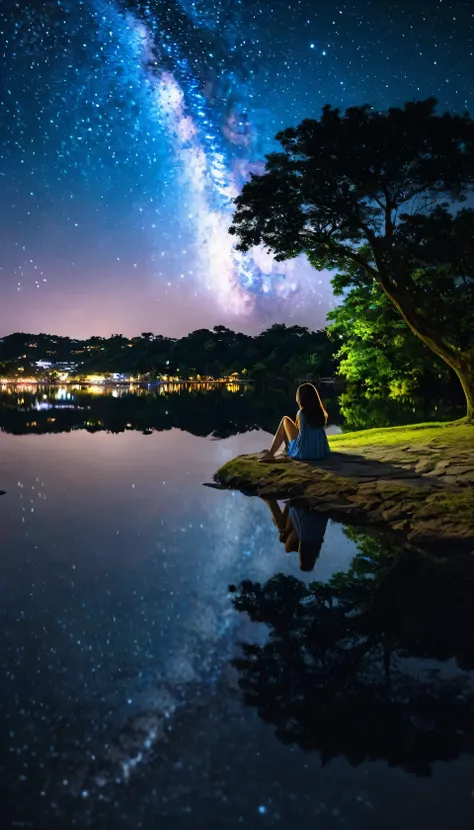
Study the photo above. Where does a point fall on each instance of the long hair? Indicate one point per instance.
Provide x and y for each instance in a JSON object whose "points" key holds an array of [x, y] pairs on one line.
{"points": [[310, 402], [309, 552]]}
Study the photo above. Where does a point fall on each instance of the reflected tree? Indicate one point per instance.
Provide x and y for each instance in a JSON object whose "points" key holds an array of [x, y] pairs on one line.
{"points": [[373, 664], [218, 413], [361, 412]]}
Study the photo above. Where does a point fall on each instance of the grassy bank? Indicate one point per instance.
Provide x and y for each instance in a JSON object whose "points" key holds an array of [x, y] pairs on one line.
{"points": [[416, 481], [454, 434]]}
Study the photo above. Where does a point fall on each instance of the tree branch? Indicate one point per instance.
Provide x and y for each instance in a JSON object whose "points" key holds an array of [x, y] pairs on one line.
{"points": [[418, 324]]}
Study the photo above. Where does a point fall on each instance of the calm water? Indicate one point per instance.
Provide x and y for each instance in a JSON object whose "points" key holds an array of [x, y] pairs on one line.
{"points": [[138, 691]]}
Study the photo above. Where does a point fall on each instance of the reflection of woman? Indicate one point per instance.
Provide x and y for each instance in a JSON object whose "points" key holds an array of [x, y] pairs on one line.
{"points": [[304, 438], [300, 530]]}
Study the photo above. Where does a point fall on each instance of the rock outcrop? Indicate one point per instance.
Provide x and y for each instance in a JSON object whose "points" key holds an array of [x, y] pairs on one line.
{"points": [[421, 490]]}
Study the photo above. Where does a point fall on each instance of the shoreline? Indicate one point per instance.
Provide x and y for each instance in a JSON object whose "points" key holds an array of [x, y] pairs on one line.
{"points": [[416, 482], [114, 383]]}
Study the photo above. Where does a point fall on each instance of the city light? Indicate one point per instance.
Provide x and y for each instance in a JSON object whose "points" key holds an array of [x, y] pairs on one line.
{"points": [[65, 379]]}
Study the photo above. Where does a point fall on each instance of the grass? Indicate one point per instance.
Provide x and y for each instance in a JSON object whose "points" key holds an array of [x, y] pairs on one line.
{"points": [[454, 434], [449, 505], [450, 436], [432, 517]]}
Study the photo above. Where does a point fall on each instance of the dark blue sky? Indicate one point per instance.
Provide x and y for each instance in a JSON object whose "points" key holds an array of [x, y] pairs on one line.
{"points": [[127, 127]]}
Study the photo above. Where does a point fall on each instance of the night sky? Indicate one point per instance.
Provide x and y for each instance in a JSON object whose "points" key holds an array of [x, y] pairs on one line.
{"points": [[127, 128]]}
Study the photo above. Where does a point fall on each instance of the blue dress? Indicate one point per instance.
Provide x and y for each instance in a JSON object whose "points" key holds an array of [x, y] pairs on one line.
{"points": [[309, 526], [311, 444]]}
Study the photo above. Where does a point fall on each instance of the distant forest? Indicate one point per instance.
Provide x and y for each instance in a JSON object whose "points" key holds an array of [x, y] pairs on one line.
{"points": [[366, 344], [279, 352]]}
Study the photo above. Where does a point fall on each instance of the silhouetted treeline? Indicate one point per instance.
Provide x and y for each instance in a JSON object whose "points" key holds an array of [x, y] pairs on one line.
{"points": [[279, 352], [373, 664]]}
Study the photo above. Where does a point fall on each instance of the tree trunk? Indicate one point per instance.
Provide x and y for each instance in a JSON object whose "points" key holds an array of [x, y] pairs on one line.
{"points": [[465, 373], [461, 362]]}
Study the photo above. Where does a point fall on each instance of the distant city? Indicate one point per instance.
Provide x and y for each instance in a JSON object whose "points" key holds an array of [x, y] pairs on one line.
{"points": [[205, 355]]}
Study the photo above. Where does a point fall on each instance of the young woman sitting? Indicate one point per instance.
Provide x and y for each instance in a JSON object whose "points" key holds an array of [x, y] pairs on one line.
{"points": [[306, 438], [300, 530]]}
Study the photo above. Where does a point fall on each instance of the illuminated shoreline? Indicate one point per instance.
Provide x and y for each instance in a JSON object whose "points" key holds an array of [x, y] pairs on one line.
{"points": [[113, 383]]}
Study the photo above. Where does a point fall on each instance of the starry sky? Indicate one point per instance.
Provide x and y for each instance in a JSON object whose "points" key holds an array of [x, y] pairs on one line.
{"points": [[127, 127]]}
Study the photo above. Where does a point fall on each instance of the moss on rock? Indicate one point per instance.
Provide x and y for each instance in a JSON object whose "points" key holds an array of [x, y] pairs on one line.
{"points": [[375, 478]]}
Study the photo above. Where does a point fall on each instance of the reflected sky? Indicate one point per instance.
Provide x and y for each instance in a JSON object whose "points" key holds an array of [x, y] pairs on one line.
{"points": [[134, 492], [117, 553], [116, 620]]}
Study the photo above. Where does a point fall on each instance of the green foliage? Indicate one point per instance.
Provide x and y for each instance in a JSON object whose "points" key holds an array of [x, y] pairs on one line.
{"points": [[377, 196], [277, 352], [359, 412], [422, 434], [374, 557], [377, 352]]}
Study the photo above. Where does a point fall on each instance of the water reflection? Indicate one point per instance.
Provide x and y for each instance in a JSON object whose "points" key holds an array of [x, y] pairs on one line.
{"points": [[377, 663], [300, 530], [358, 412], [114, 617], [117, 637], [201, 409]]}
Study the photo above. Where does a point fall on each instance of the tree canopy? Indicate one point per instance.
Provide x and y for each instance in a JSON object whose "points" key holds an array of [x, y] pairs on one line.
{"points": [[376, 351], [377, 195], [347, 666], [280, 352]]}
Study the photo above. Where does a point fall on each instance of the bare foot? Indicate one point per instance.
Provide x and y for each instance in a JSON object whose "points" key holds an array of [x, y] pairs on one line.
{"points": [[266, 456]]}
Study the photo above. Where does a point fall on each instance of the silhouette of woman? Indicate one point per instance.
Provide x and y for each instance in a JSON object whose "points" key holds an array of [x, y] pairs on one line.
{"points": [[301, 531]]}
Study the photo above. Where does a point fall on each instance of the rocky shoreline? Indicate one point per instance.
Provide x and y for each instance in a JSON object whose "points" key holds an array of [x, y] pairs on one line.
{"points": [[417, 482]]}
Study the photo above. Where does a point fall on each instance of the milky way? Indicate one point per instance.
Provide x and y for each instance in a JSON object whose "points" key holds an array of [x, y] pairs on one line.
{"points": [[128, 128]]}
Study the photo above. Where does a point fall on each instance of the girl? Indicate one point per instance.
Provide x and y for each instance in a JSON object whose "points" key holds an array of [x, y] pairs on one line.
{"points": [[306, 439], [300, 531]]}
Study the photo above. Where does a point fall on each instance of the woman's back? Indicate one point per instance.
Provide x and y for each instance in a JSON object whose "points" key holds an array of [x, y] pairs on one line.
{"points": [[311, 443]]}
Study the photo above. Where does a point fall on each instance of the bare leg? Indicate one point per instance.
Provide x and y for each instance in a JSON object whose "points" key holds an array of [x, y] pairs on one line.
{"points": [[280, 517], [286, 432]]}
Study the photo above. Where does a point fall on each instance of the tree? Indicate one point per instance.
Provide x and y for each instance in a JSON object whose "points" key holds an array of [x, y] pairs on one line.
{"points": [[378, 354], [216, 352], [293, 351], [346, 666], [379, 194]]}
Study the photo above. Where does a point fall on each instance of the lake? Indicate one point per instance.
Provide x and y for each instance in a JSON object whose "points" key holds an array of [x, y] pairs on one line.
{"points": [[166, 663]]}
